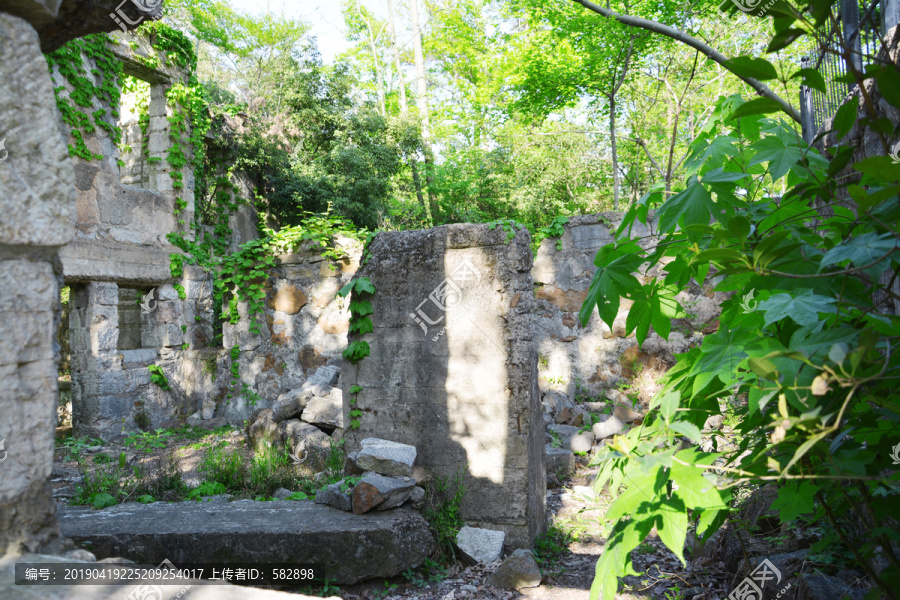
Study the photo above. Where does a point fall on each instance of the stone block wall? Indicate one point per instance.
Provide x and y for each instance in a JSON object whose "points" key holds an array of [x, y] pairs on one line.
{"points": [[453, 368], [37, 204], [592, 360], [303, 328]]}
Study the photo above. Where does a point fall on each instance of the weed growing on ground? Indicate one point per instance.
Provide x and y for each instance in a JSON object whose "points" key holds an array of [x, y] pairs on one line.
{"points": [[550, 547], [147, 441], [443, 501], [430, 572], [74, 446]]}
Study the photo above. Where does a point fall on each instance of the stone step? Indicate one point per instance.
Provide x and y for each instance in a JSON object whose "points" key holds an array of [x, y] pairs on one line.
{"points": [[344, 547]]}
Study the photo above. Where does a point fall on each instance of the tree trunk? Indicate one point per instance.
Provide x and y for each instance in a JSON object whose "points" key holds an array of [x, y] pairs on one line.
{"points": [[422, 104], [615, 156], [404, 108], [379, 83]]}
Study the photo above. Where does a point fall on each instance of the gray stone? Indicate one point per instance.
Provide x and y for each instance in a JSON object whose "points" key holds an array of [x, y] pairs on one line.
{"points": [[377, 491], [417, 498], [480, 545], [325, 410], [381, 545], [581, 442], [333, 496], [386, 457], [290, 405], [299, 437], [518, 571], [282, 494], [818, 586], [560, 461], [209, 409], [263, 432], [195, 419], [608, 426], [325, 376]]}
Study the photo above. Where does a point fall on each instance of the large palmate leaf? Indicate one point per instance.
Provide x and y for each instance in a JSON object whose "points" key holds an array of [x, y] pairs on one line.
{"points": [[614, 279], [803, 308], [693, 205]]}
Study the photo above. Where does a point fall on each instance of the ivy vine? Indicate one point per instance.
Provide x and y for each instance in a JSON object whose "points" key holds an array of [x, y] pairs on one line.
{"points": [[100, 84]]}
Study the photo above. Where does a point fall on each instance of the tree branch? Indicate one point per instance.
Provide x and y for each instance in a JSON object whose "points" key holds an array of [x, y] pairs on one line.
{"points": [[684, 38]]}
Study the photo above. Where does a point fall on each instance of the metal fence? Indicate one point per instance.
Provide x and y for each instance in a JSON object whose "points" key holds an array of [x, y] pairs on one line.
{"points": [[852, 39]]}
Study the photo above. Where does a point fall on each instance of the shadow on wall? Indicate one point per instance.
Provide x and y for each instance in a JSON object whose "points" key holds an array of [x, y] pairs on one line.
{"points": [[453, 371]]}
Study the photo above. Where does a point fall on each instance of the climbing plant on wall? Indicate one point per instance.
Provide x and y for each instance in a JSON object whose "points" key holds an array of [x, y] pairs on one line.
{"points": [[78, 106]]}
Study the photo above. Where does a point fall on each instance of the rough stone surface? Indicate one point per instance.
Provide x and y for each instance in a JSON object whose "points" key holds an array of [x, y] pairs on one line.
{"points": [[325, 410], [290, 405], [333, 496], [453, 368], [480, 545], [581, 442], [344, 546], [377, 491], [199, 590], [288, 299], [608, 427], [386, 457], [299, 437], [518, 571], [417, 498], [560, 461], [263, 432]]}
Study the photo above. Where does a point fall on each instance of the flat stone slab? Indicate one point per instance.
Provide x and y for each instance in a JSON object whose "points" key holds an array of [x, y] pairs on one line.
{"points": [[343, 546], [386, 458]]}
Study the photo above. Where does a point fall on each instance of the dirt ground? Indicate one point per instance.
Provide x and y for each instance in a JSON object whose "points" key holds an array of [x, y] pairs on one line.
{"points": [[569, 509]]}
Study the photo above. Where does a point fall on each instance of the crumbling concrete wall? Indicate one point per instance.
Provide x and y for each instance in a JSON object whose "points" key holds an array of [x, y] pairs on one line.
{"points": [[592, 360], [453, 368]]}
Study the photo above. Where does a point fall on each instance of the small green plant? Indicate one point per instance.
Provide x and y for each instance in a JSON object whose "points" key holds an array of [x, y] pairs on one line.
{"points": [[645, 548], [158, 377], [328, 588], [146, 499], [102, 459], [355, 413], [251, 396], [555, 229], [550, 547], [147, 441], [298, 496], [74, 446], [442, 511], [207, 488], [674, 593], [557, 441], [387, 591], [508, 225], [142, 420]]}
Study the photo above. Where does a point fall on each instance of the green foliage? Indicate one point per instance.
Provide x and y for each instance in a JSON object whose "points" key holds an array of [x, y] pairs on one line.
{"points": [[99, 85], [442, 511], [813, 360], [74, 446], [158, 377], [147, 441], [359, 290], [207, 488]]}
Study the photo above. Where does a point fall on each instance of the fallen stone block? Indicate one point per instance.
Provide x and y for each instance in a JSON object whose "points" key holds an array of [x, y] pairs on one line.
{"points": [[327, 375], [378, 491], [559, 461], [345, 547], [386, 457], [208, 411], [480, 545], [581, 442], [263, 431], [300, 437], [325, 411], [608, 427], [290, 405], [417, 498], [332, 495], [518, 571]]}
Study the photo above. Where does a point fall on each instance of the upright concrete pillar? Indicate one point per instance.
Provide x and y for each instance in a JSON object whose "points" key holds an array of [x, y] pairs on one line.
{"points": [[38, 216], [453, 370]]}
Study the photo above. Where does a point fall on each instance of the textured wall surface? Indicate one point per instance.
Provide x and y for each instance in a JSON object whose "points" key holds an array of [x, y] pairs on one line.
{"points": [[36, 201], [453, 369]]}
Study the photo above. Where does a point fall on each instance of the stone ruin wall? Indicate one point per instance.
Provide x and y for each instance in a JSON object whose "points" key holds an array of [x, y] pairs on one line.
{"points": [[453, 369]]}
